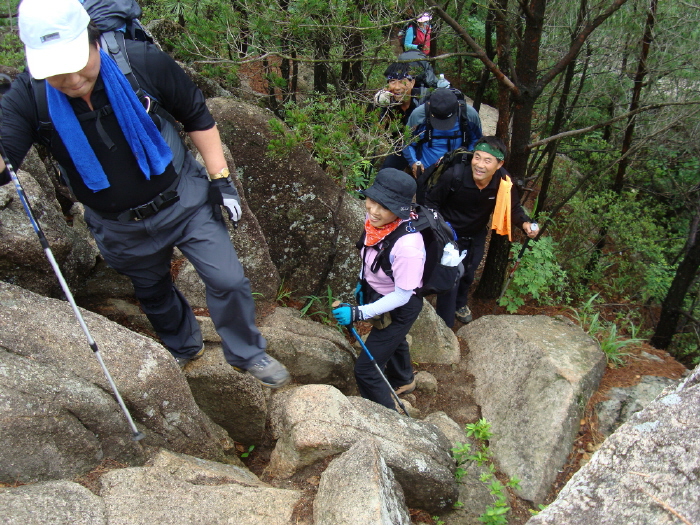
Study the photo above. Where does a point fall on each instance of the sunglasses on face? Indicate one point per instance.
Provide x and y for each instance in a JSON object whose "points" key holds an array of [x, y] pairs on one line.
{"points": [[398, 76]]}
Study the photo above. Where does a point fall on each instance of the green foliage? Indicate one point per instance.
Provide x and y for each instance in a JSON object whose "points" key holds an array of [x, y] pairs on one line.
{"points": [[320, 308], [635, 262], [247, 452], [341, 135], [495, 514], [605, 332], [538, 276], [11, 50], [540, 508], [283, 294], [480, 430]]}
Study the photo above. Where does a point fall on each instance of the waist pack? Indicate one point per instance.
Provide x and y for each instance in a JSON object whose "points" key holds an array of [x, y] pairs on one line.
{"points": [[437, 235]]}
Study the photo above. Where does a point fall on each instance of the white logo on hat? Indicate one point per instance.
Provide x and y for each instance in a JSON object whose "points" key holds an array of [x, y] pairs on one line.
{"points": [[50, 37]]}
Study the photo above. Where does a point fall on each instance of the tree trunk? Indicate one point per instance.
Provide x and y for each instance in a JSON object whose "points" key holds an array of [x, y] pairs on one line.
{"points": [[322, 50], [351, 69], [673, 303], [526, 68], [639, 77], [491, 53]]}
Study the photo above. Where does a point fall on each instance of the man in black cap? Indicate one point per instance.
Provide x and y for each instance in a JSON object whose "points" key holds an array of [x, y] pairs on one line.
{"points": [[396, 102], [439, 132]]}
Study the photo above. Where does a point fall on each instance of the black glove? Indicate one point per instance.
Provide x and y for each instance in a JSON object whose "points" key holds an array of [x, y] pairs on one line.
{"points": [[222, 192], [420, 47]]}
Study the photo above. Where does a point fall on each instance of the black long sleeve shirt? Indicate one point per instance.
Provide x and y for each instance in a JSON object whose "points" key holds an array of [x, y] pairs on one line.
{"points": [[160, 77], [466, 207]]}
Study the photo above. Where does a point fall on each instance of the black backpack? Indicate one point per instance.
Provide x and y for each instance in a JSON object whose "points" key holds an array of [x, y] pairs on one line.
{"points": [[464, 125], [437, 234], [420, 67], [117, 21], [432, 174]]}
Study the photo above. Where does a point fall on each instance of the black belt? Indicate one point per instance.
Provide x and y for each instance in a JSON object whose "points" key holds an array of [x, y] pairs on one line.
{"points": [[160, 202]]}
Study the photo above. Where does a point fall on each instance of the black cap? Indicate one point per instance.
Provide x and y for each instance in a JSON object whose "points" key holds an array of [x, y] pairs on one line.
{"points": [[444, 109], [394, 190]]}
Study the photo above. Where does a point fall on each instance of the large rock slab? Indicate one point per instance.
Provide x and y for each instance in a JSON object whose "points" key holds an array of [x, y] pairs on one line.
{"points": [[433, 342], [203, 471], [359, 487], [646, 473], [46, 332], [313, 422], [56, 502], [22, 259], [624, 401], [236, 401], [312, 352], [147, 495], [66, 424], [311, 224], [533, 378]]}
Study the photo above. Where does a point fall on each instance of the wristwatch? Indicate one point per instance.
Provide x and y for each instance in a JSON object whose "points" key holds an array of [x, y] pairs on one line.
{"points": [[223, 174]]}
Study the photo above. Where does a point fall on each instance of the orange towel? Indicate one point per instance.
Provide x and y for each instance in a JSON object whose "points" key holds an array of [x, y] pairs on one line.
{"points": [[502, 212]]}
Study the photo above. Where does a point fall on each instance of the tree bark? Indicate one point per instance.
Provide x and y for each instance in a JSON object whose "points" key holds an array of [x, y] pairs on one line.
{"points": [[322, 50], [673, 303]]}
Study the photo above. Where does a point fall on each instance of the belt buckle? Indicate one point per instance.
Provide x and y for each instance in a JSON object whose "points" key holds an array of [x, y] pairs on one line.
{"points": [[145, 211]]}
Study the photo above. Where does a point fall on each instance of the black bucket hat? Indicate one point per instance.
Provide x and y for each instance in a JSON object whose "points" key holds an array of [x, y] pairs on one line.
{"points": [[394, 190], [444, 109]]}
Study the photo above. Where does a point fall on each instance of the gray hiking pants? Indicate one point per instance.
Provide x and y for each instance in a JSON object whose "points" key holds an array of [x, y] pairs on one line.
{"points": [[142, 250]]}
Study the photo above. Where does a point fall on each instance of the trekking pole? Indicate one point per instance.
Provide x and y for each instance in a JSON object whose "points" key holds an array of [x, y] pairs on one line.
{"points": [[352, 330], [136, 435], [512, 272]]}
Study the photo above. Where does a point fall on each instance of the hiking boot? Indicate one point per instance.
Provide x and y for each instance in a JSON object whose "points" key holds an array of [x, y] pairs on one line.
{"points": [[406, 389], [182, 361], [270, 372], [464, 315]]}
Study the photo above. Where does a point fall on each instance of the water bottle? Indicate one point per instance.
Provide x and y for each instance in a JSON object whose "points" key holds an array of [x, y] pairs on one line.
{"points": [[443, 82]]}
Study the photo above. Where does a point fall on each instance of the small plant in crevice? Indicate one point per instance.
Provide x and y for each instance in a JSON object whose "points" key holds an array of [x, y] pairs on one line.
{"points": [[283, 294], [247, 452], [495, 514], [605, 332], [319, 308]]}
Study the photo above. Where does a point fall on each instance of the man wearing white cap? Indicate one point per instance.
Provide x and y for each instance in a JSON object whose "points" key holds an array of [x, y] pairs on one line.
{"points": [[143, 191]]}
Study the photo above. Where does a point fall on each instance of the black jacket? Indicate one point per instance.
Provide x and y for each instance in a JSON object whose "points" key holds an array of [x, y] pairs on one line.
{"points": [[160, 77], [466, 207]]}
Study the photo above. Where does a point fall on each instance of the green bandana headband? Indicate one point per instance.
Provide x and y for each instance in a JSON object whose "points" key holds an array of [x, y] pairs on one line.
{"points": [[485, 147]]}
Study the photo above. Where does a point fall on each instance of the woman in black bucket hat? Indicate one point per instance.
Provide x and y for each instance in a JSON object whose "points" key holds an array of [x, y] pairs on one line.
{"points": [[387, 301]]}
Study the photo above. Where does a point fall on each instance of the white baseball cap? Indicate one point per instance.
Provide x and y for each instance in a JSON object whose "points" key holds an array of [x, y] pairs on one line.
{"points": [[55, 37]]}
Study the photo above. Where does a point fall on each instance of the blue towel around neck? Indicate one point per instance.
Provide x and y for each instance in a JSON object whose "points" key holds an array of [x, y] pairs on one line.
{"points": [[148, 146]]}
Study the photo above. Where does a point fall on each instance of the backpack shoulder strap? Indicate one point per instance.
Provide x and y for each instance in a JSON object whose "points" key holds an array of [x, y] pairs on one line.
{"points": [[113, 42], [384, 248], [42, 110], [459, 170]]}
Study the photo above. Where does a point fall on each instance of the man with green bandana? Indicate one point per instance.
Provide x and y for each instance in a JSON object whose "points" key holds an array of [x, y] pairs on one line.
{"points": [[466, 195]]}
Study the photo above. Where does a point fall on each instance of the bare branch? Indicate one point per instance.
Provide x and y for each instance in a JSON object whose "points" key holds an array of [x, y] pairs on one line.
{"points": [[324, 60], [578, 42], [581, 131], [480, 53], [667, 507]]}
